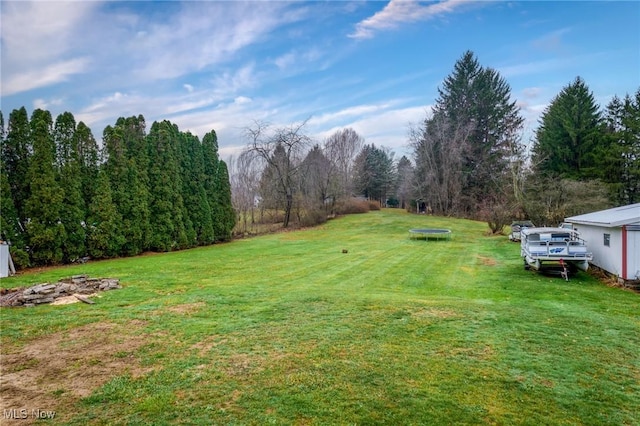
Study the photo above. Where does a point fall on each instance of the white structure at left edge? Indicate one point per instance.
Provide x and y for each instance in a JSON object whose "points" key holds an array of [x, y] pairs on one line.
{"points": [[613, 236]]}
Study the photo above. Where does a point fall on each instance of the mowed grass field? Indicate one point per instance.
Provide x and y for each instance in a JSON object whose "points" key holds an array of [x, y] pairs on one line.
{"points": [[288, 329]]}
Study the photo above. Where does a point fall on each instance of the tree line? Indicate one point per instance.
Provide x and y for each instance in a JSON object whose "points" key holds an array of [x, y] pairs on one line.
{"points": [[284, 176], [64, 198], [469, 159]]}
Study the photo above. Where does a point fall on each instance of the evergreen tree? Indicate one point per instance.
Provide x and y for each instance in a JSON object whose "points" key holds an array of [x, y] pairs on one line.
{"points": [[227, 218], [9, 221], [374, 173], [74, 213], [104, 239], [133, 131], [211, 163], [16, 155], [166, 204], [618, 156], [88, 152], [569, 133], [479, 98], [127, 191], [44, 207], [197, 208]]}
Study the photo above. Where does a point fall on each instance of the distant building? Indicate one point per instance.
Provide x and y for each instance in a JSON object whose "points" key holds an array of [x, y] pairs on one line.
{"points": [[613, 236]]}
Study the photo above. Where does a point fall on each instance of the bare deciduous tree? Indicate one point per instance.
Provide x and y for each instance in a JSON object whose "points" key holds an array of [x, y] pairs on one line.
{"points": [[341, 149], [244, 188], [439, 145], [281, 152]]}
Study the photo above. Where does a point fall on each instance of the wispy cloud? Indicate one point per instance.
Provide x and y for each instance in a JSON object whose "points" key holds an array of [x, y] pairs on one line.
{"points": [[380, 124], [62, 38], [356, 111], [37, 32], [552, 41], [42, 77], [221, 29], [398, 12], [39, 41], [536, 67]]}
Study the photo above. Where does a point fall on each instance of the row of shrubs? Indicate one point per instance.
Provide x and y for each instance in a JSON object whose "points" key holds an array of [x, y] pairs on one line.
{"points": [[304, 217]]}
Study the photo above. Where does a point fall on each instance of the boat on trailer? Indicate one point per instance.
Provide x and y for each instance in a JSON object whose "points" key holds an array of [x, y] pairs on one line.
{"points": [[554, 250]]}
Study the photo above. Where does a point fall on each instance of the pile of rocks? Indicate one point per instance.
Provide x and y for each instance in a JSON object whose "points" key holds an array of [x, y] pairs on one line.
{"points": [[78, 286]]}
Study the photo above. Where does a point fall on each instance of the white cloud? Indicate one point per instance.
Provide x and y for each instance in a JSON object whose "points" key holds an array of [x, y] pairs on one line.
{"points": [[241, 100], [188, 87], [46, 104], [202, 34], [382, 127], [35, 32], [356, 111], [398, 12], [38, 39], [285, 61], [41, 77], [232, 82]]}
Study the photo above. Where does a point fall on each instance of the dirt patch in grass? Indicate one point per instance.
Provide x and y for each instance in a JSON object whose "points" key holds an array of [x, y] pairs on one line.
{"points": [[54, 372], [186, 308], [204, 347], [487, 261], [435, 313]]}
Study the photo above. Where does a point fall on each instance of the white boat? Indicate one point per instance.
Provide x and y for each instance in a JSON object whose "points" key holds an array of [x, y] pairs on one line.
{"points": [[554, 249], [517, 226]]}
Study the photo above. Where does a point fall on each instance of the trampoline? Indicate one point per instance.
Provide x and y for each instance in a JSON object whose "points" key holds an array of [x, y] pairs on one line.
{"points": [[430, 233]]}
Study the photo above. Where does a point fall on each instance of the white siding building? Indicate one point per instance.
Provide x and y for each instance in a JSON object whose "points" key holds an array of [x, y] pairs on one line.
{"points": [[613, 236]]}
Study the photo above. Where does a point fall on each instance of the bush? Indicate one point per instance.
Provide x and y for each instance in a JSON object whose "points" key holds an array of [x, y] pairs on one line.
{"points": [[313, 217], [269, 217], [20, 258], [352, 206], [374, 205]]}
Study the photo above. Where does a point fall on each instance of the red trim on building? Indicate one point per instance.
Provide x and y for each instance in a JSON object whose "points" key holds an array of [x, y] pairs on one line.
{"points": [[624, 252]]}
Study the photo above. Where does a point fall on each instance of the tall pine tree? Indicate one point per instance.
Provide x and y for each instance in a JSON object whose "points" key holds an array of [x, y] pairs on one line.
{"points": [[133, 131], [569, 133], [88, 154], [166, 204], [127, 188], [211, 163], [479, 98], [104, 236], [44, 207], [16, 155], [227, 217], [74, 213], [9, 221], [619, 153], [197, 208]]}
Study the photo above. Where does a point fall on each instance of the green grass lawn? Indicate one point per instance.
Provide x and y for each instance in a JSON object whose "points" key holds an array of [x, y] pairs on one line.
{"points": [[288, 329]]}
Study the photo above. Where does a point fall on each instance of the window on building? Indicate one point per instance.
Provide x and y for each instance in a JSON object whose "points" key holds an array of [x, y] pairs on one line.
{"points": [[607, 240]]}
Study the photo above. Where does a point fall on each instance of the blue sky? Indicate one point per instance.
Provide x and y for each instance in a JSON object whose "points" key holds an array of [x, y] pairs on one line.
{"points": [[370, 65]]}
